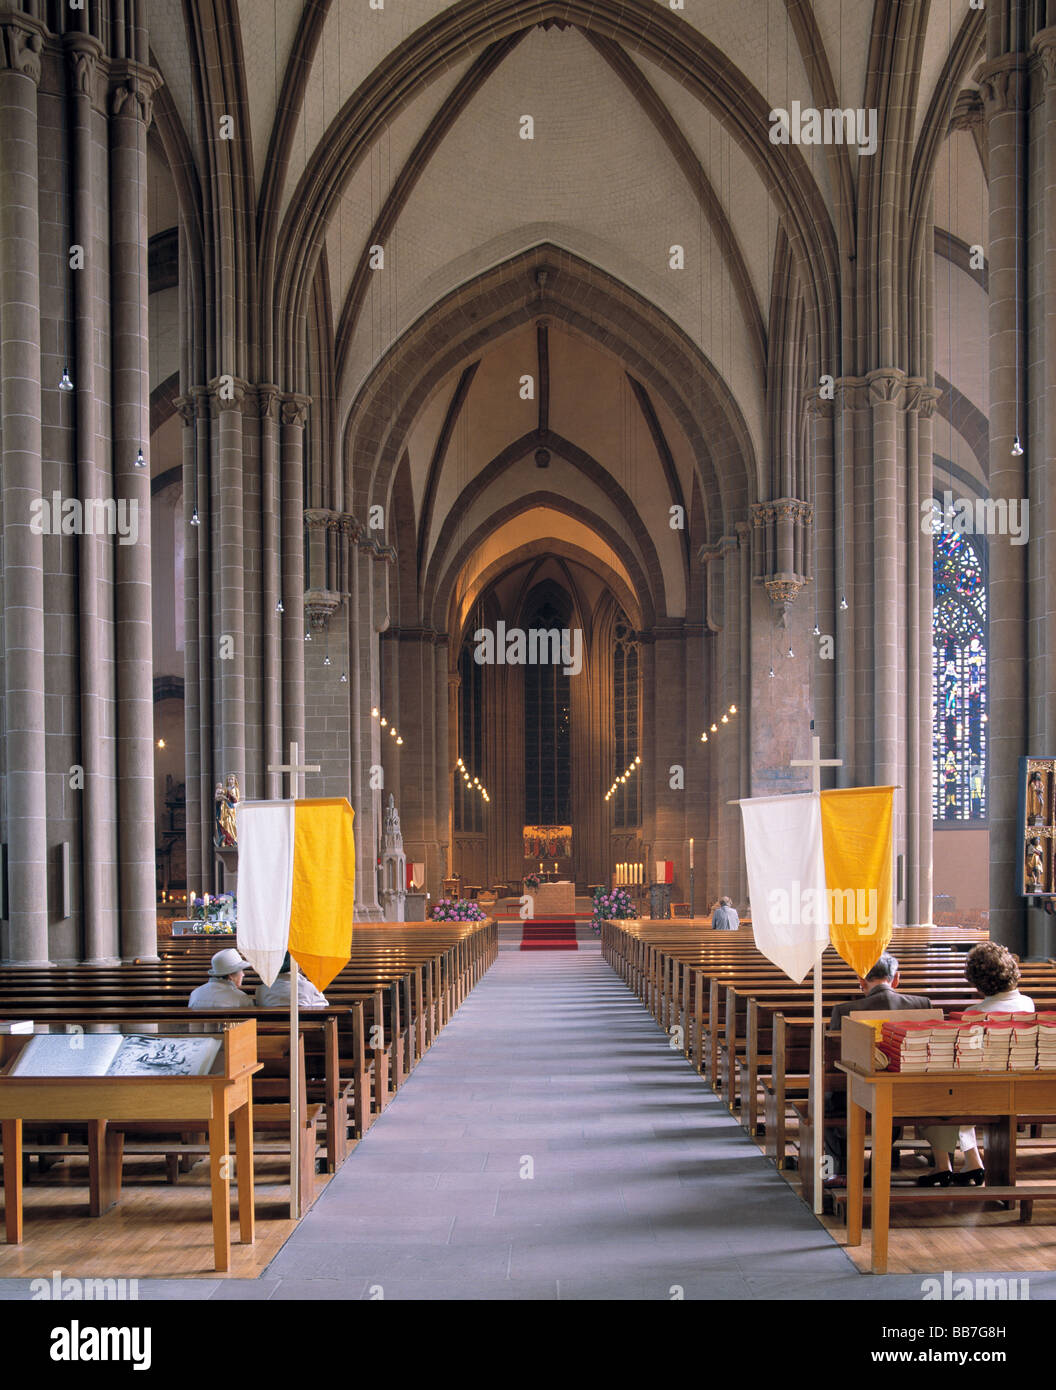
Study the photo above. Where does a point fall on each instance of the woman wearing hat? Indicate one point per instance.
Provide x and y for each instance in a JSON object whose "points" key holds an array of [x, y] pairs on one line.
{"points": [[221, 990]]}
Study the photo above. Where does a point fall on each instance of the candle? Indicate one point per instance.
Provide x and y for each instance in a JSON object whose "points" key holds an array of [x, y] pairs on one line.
{"points": [[691, 851]]}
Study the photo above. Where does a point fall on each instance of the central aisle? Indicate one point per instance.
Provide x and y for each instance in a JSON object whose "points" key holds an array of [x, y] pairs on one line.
{"points": [[641, 1182]]}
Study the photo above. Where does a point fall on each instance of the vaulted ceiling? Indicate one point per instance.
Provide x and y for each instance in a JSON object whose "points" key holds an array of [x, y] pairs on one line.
{"points": [[628, 159]]}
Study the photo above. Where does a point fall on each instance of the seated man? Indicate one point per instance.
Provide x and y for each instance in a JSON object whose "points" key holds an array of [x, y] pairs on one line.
{"points": [[221, 990], [725, 918], [880, 988], [277, 995]]}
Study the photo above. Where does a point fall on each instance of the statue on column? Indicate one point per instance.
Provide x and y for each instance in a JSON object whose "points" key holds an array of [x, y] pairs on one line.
{"points": [[1036, 798], [226, 798], [1035, 864]]}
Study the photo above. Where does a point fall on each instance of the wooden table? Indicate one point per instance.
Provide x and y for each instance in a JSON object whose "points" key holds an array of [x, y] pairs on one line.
{"points": [[208, 1102], [994, 1098]]}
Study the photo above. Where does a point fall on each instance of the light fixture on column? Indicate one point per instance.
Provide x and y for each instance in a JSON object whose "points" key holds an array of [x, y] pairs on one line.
{"points": [[141, 462], [326, 657], [308, 635], [344, 677], [790, 652], [816, 632], [843, 603], [279, 608], [1017, 448], [327, 661], [65, 382], [195, 519], [771, 673], [733, 709]]}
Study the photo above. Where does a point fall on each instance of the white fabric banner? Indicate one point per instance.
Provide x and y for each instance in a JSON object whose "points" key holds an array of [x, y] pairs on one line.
{"points": [[265, 883], [786, 880]]}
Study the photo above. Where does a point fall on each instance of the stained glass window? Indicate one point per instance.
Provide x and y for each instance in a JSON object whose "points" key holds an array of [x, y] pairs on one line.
{"points": [[547, 735], [959, 685]]}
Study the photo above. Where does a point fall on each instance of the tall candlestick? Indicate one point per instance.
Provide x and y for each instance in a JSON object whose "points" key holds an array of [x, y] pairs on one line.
{"points": [[691, 851]]}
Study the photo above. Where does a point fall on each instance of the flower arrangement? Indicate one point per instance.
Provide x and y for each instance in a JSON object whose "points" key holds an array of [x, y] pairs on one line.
{"points": [[448, 910], [610, 905], [531, 882], [216, 917]]}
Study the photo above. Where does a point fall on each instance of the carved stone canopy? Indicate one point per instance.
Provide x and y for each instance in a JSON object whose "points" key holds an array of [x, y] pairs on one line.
{"points": [[783, 593]]}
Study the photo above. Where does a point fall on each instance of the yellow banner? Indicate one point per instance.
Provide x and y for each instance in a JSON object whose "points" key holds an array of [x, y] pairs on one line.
{"points": [[856, 833], [324, 878]]}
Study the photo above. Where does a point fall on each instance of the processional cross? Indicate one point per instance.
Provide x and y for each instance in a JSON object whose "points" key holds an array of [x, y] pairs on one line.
{"points": [[296, 786], [816, 762], [296, 771]]}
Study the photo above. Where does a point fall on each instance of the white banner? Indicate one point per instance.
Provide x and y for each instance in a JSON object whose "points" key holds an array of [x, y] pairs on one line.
{"points": [[265, 883], [786, 880]]}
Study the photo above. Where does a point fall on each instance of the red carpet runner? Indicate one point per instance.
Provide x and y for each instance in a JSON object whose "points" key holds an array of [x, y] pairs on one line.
{"points": [[550, 934]]}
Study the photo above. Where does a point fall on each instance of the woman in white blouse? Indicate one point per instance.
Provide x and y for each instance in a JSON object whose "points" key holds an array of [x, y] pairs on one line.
{"points": [[994, 971]]}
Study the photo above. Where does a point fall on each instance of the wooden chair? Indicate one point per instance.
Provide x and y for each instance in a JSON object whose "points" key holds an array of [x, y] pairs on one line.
{"points": [[681, 910]]}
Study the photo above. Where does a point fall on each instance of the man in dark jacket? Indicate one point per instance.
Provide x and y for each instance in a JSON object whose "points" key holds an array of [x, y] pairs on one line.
{"points": [[880, 994], [880, 988]]}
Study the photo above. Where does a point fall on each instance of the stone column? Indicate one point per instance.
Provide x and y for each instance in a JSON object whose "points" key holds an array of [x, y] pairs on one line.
{"points": [[1004, 87], [99, 813], [294, 413], [227, 524], [271, 526], [192, 706], [26, 809], [886, 398], [131, 94], [1042, 939], [919, 895]]}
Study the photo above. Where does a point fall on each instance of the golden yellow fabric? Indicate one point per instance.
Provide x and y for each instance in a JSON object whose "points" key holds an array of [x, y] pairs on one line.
{"points": [[324, 878], [856, 834]]}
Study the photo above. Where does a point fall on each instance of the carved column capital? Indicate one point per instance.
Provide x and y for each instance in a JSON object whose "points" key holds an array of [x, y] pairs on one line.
{"points": [[83, 57], [22, 46], [967, 111], [132, 88], [1044, 49], [268, 402], [887, 385], [187, 408], [816, 405], [295, 408], [1005, 84], [229, 393]]}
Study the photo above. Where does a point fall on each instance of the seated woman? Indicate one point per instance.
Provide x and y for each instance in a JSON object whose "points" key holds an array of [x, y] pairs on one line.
{"points": [[993, 970]]}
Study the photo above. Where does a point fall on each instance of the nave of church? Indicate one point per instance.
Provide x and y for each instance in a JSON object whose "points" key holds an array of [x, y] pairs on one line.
{"points": [[528, 524]]}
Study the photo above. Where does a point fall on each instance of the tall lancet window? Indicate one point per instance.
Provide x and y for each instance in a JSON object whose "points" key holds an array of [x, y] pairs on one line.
{"points": [[547, 734], [469, 804], [959, 679], [627, 808]]}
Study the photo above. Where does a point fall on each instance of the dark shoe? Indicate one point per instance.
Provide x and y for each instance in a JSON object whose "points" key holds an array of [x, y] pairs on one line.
{"points": [[936, 1179], [970, 1177]]}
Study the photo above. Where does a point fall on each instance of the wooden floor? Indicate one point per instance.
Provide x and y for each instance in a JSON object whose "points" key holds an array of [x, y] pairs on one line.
{"points": [[157, 1230], [928, 1238]]}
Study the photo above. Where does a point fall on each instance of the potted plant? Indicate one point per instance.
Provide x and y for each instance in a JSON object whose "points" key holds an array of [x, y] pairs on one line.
{"points": [[531, 882], [448, 910], [611, 905]]}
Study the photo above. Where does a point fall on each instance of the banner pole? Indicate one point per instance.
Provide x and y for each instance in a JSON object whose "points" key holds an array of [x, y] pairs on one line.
{"points": [[295, 1097]]}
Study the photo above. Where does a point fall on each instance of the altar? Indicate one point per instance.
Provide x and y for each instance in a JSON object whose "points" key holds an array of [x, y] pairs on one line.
{"points": [[554, 899]]}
